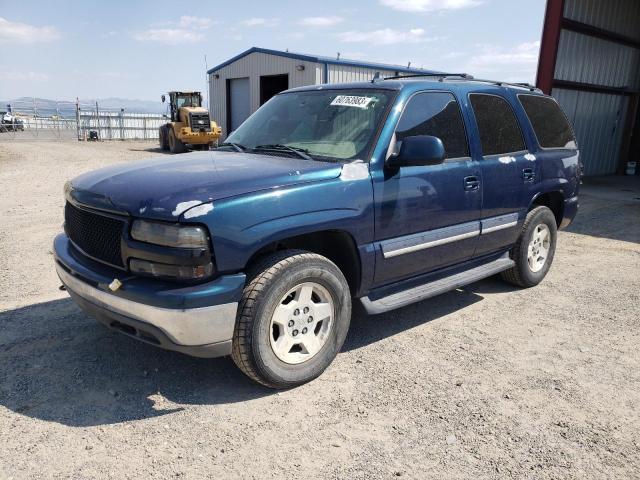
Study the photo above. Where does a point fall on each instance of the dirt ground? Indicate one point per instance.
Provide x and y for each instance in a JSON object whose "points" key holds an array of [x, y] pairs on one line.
{"points": [[485, 382]]}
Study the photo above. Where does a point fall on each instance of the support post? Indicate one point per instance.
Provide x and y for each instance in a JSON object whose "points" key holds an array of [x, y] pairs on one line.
{"points": [[549, 45]]}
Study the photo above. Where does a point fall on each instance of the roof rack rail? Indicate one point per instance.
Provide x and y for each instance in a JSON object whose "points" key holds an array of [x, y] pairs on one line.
{"points": [[459, 76], [499, 83], [433, 75]]}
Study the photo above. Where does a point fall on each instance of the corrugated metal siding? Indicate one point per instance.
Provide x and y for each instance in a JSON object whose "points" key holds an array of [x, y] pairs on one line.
{"points": [[618, 16], [586, 59], [598, 121], [254, 66], [345, 74]]}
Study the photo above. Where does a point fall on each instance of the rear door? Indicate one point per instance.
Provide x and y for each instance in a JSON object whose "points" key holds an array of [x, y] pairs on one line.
{"points": [[427, 217], [508, 174]]}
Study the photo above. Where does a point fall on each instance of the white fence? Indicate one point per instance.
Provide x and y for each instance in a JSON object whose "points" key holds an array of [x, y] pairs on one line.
{"points": [[68, 120], [119, 125]]}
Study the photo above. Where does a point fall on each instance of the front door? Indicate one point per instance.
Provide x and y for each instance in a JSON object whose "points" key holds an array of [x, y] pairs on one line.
{"points": [[427, 217]]}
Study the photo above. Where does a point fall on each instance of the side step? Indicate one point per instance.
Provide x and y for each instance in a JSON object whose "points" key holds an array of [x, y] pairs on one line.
{"points": [[428, 290]]}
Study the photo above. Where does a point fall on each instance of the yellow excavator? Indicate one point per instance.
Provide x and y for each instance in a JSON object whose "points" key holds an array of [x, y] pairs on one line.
{"points": [[190, 125]]}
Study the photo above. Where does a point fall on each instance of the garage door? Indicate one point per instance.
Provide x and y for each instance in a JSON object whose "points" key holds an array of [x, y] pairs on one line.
{"points": [[239, 102]]}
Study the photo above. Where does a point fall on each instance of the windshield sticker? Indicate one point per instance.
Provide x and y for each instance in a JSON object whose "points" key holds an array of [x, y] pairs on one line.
{"points": [[351, 101]]}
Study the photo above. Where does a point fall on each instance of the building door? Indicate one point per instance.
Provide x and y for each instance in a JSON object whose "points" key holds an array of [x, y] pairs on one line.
{"points": [[238, 101], [271, 85], [598, 121]]}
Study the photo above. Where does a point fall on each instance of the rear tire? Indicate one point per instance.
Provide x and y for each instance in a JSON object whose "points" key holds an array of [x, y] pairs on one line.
{"points": [[276, 341], [534, 251], [175, 144]]}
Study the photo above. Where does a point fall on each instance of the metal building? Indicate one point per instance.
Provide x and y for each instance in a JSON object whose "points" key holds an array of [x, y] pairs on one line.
{"points": [[240, 85], [590, 61]]}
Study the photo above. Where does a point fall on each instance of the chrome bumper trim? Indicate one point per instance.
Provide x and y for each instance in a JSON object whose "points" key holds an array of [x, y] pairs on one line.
{"points": [[188, 327]]}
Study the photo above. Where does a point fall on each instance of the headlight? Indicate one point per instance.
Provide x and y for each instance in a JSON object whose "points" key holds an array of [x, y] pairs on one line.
{"points": [[180, 236]]}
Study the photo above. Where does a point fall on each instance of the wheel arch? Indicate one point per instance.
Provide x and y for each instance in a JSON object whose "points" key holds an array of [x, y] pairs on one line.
{"points": [[552, 199], [337, 245]]}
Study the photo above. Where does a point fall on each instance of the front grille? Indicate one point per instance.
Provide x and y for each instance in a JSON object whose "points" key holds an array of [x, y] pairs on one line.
{"points": [[200, 122], [96, 235]]}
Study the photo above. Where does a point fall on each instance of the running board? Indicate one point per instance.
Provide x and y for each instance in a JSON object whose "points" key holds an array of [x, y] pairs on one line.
{"points": [[431, 289]]}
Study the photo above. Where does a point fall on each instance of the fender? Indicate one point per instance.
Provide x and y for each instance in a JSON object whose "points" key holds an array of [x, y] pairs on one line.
{"points": [[243, 225]]}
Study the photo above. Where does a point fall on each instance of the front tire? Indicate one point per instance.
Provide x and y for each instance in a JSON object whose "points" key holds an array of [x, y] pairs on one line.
{"points": [[175, 144], [534, 251], [292, 320], [164, 142]]}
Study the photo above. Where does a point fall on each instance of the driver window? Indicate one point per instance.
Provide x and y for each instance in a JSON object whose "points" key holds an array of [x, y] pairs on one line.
{"points": [[436, 114]]}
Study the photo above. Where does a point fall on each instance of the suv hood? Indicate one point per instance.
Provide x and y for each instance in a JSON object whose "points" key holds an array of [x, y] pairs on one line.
{"points": [[164, 188]]}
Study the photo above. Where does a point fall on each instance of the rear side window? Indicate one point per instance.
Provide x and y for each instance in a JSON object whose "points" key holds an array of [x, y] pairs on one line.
{"points": [[436, 114], [548, 121], [498, 126]]}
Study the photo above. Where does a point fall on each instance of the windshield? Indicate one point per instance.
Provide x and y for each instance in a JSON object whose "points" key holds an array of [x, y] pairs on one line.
{"points": [[325, 124], [188, 101]]}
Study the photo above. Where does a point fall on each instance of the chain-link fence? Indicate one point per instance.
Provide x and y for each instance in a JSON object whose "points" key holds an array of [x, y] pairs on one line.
{"points": [[47, 120]]}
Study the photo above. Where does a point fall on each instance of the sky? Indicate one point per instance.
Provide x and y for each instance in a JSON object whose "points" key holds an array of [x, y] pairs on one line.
{"points": [[139, 49]]}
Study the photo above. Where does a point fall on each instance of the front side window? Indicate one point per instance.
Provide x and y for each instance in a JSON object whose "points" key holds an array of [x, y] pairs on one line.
{"points": [[436, 114], [322, 124], [548, 121], [499, 129]]}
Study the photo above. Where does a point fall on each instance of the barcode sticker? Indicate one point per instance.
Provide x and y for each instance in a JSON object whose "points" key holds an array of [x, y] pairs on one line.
{"points": [[351, 101]]}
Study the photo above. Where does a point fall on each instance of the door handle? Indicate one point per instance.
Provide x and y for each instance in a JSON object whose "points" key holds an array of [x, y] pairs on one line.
{"points": [[528, 175], [471, 183]]}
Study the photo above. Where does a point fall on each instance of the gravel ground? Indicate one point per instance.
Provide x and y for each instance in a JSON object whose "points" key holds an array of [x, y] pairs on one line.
{"points": [[485, 382]]}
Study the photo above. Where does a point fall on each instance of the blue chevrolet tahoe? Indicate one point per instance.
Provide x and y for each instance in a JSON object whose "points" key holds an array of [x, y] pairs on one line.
{"points": [[388, 192]]}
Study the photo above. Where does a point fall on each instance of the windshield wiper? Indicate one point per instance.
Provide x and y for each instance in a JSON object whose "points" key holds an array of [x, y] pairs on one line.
{"points": [[236, 146], [301, 152]]}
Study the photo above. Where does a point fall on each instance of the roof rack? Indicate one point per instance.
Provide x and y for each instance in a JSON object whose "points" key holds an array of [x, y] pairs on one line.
{"points": [[499, 83], [465, 76], [460, 76]]}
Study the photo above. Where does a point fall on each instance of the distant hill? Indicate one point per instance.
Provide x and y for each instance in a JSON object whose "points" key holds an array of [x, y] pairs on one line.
{"points": [[46, 107]]}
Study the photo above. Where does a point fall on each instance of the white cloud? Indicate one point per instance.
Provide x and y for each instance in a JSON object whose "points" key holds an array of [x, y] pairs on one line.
{"points": [[24, 76], [261, 22], [169, 36], [386, 36], [518, 63], [429, 5], [321, 21], [197, 23], [25, 33], [187, 29]]}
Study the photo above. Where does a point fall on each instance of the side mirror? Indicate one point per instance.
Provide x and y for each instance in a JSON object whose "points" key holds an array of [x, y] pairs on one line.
{"points": [[163, 98], [420, 150]]}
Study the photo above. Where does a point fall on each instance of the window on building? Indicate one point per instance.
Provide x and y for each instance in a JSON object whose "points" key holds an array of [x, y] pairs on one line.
{"points": [[548, 121], [436, 114], [498, 126]]}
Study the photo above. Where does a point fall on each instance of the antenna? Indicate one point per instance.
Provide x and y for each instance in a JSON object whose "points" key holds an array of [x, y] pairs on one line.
{"points": [[206, 80], [409, 64], [338, 58]]}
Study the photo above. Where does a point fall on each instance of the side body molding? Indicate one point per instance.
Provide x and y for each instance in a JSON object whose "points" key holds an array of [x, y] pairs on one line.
{"points": [[441, 236]]}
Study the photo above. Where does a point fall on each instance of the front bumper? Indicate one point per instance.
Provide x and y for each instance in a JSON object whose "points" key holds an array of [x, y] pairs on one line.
{"points": [[197, 320], [189, 136]]}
